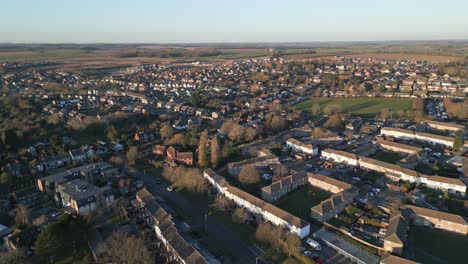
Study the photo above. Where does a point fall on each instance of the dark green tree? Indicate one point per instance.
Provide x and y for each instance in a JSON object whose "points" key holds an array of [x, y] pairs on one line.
{"points": [[10, 139], [62, 239]]}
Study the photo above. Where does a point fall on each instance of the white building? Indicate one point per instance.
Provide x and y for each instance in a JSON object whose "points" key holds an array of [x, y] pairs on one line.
{"points": [[444, 126], [298, 146], [397, 133], [257, 206], [453, 186], [434, 139], [395, 172], [340, 156]]}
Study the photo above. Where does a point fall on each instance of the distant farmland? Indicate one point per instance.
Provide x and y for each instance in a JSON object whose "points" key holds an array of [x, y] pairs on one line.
{"points": [[363, 106]]}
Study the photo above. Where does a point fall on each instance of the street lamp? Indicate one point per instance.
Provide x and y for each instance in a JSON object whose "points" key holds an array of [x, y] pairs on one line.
{"points": [[206, 223]]}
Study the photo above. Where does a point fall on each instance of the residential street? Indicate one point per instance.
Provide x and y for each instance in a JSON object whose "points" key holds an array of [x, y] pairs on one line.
{"points": [[196, 211]]}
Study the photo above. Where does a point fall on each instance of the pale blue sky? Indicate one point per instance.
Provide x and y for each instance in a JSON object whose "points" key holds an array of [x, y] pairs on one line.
{"points": [[156, 21]]}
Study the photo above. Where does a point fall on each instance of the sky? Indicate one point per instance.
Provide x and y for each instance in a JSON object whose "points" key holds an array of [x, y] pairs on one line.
{"points": [[210, 21]]}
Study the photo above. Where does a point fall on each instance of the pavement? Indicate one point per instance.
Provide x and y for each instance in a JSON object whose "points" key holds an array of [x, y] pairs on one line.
{"points": [[197, 211]]}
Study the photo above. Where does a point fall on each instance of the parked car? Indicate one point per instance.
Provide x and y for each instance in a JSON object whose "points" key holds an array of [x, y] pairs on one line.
{"points": [[169, 189], [314, 244]]}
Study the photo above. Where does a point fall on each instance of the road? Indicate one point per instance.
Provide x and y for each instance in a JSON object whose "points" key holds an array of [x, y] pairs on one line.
{"points": [[196, 211]]}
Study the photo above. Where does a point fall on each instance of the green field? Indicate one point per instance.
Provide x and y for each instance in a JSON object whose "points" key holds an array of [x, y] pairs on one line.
{"points": [[387, 157], [435, 246], [300, 201], [363, 106]]}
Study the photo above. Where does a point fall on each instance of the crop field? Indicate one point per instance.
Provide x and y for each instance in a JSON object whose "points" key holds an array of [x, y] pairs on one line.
{"points": [[368, 107]]}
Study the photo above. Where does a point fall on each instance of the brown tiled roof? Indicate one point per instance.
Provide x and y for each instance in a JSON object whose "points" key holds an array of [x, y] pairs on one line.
{"points": [[457, 126], [184, 155], [216, 177], [250, 161], [400, 130], [437, 214], [380, 163], [331, 181], [398, 145], [410, 172], [390, 259]]}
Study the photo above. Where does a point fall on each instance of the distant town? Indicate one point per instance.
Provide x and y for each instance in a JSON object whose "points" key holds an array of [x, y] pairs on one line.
{"points": [[275, 159]]}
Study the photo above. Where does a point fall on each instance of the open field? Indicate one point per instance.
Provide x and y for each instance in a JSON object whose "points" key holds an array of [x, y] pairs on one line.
{"points": [[75, 57], [299, 202], [407, 56], [363, 106], [435, 246]]}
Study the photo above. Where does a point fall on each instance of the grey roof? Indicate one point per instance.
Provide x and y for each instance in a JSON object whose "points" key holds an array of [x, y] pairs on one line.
{"points": [[81, 191], [397, 229], [74, 173]]}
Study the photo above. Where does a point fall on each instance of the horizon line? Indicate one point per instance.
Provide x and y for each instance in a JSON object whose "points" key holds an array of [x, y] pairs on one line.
{"points": [[235, 42]]}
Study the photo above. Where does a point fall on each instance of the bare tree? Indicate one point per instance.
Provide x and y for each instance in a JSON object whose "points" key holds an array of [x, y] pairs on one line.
{"points": [[215, 152], [132, 155], [315, 109], [332, 109], [117, 160], [291, 244], [263, 233], [183, 177], [226, 127], [249, 175], [279, 172], [166, 131], [22, 215], [122, 248], [250, 133], [14, 257], [240, 216], [222, 204], [202, 155], [120, 210], [237, 132], [335, 121]]}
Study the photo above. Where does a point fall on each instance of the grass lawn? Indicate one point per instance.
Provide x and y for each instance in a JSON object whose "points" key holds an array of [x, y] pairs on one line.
{"points": [[448, 171], [244, 231], [371, 176], [300, 201], [365, 106], [387, 157], [432, 244]]}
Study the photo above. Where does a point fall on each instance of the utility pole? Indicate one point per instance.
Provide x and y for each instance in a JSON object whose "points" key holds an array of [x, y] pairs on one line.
{"points": [[206, 223]]}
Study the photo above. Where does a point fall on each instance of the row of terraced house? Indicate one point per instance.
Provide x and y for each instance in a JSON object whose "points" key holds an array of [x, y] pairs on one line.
{"points": [[257, 206], [396, 173]]}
